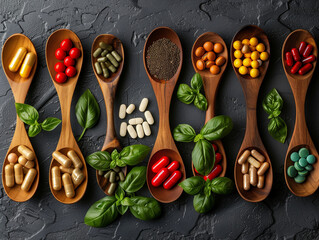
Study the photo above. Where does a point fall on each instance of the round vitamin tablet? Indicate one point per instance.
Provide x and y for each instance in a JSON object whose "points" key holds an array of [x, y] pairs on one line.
{"points": [[243, 70], [254, 73], [298, 167], [200, 64], [237, 45], [12, 158], [303, 152], [309, 167], [311, 159], [300, 179], [218, 48], [238, 63], [247, 55], [303, 162], [238, 54], [254, 64], [303, 173], [254, 55], [214, 69], [253, 41], [199, 51], [245, 41], [292, 172], [260, 47], [264, 56], [208, 46], [294, 157], [247, 62], [211, 56]]}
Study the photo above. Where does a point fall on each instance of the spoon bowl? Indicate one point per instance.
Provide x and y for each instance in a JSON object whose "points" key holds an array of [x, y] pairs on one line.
{"points": [[20, 87], [164, 145]]}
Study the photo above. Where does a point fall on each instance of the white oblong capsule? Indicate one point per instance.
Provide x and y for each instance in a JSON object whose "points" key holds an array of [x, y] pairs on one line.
{"points": [[140, 131], [143, 104], [18, 173], [62, 159], [9, 175], [130, 108], [26, 152], [68, 185], [25, 162], [149, 117], [77, 163], [146, 128], [122, 111], [135, 121], [56, 178], [123, 128], [77, 177], [131, 131], [28, 180]]}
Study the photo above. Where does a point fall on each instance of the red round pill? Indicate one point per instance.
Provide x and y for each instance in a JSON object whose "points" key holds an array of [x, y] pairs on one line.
{"points": [[66, 45], [60, 54], [70, 71], [68, 61], [307, 51], [59, 67], [75, 53], [60, 77]]}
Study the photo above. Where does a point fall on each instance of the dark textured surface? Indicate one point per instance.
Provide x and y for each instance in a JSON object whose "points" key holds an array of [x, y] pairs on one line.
{"points": [[280, 216]]}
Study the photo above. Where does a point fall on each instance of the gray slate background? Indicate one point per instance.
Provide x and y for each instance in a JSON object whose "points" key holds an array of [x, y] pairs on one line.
{"points": [[280, 216]]}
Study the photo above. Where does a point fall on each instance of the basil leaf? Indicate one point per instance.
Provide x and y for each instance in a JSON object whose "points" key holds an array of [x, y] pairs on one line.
{"points": [[134, 180], [207, 190], [203, 157], [50, 123], [127, 202], [119, 194], [99, 160], [217, 128], [145, 208], [192, 185], [197, 82], [272, 102], [134, 154], [27, 113], [122, 209], [200, 102], [203, 203], [87, 111], [278, 129], [185, 94], [34, 130], [184, 133], [222, 185], [102, 212], [198, 137], [113, 164]]}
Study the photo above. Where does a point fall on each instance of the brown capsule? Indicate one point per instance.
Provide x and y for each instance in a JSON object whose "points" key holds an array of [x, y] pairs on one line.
{"points": [[26, 152], [263, 168], [253, 162], [220, 61], [66, 170], [244, 168], [62, 159], [9, 175], [253, 176], [257, 155], [75, 159], [243, 158], [77, 177], [18, 173], [245, 49], [68, 185], [246, 182], [56, 178], [28, 180], [261, 181], [25, 162]]}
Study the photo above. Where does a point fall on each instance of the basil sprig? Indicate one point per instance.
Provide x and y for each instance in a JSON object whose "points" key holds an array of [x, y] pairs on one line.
{"points": [[204, 192], [107, 209], [29, 115], [87, 111], [273, 104], [188, 94], [203, 155]]}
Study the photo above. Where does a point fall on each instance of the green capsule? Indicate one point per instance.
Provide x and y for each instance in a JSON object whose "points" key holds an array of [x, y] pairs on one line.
{"points": [[117, 178], [309, 167], [100, 173], [298, 167], [300, 179], [103, 54], [303, 152], [122, 177], [311, 159], [112, 177], [101, 59], [116, 56], [116, 169], [110, 67], [106, 73], [292, 172], [294, 157], [303, 162], [112, 60], [102, 45], [97, 52], [98, 68], [107, 175], [109, 47], [112, 188]]}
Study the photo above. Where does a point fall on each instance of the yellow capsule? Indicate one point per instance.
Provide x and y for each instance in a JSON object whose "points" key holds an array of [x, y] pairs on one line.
{"points": [[247, 62], [238, 54], [27, 65], [264, 56], [28, 180], [56, 178], [238, 63], [243, 70], [254, 64], [9, 175], [68, 185], [18, 173], [17, 59]]}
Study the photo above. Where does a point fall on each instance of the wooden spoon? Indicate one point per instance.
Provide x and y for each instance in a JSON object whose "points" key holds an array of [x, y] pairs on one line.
{"points": [[301, 137], [20, 87], [164, 145], [211, 83], [65, 92], [252, 139], [108, 87]]}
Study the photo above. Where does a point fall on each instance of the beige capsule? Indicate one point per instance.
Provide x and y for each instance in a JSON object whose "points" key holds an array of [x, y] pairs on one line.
{"points": [[123, 129], [122, 111], [261, 181], [246, 182], [25, 170], [62, 159], [244, 168], [25, 162], [18, 173], [257, 155], [143, 104], [9, 175], [77, 177], [56, 178], [146, 128], [135, 121], [28, 180], [130, 108], [68, 185], [26, 152], [253, 162], [139, 130], [131, 131], [12, 158], [253, 176], [66, 170], [149, 117], [77, 163], [263, 168], [243, 158]]}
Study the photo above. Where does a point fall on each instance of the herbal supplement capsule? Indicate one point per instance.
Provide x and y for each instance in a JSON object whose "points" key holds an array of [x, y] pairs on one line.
{"points": [[77, 163], [149, 117], [112, 177], [116, 169], [243, 157], [12, 158], [123, 128], [56, 178], [143, 104], [131, 131], [130, 108], [68, 185], [77, 177], [97, 52], [103, 54], [135, 121], [25, 162], [246, 182], [25, 170], [112, 60], [28, 180], [26, 152], [18, 173], [110, 67], [100, 172], [112, 188], [253, 176], [107, 175], [122, 177], [263, 168], [62, 159], [98, 68], [102, 59], [106, 73], [146, 128], [117, 178], [27, 65], [253, 162], [257, 155], [116, 56], [9, 175], [102, 45], [66, 170], [261, 181], [244, 168], [139, 130], [17, 59]]}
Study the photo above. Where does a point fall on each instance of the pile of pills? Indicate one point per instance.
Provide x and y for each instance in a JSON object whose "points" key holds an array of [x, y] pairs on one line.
{"points": [[112, 177]]}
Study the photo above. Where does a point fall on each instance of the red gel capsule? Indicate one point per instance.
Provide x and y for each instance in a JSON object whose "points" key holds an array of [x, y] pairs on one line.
{"points": [[302, 47], [163, 162], [218, 158], [173, 166], [214, 173], [215, 147], [295, 54], [172, 180], [296, 67], [289, 59], [309, 59], [307, 51], [160, 177], [305, 69]]}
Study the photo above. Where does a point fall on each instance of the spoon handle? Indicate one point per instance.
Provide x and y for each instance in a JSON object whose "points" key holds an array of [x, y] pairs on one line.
{"points": [[210, 88]]}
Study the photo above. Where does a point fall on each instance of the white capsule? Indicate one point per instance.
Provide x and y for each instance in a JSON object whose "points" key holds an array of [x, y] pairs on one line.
{"points": [[122, 111], [130, 109], [149, 117], [131, 131], [147, 129], [143, 104], [123, 129], [139, 130], [135, 121]]}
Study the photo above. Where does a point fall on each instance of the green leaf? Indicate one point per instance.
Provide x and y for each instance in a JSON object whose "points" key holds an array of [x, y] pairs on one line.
{"points": [[197, 82], [192, 185], [203, 203], [134, 154], [198, 137], [272, 102], [102, 212], [217, 128], [134, 180], [27, 113], [119, 194], [145, 208], [50, 123], [115, 155], [222, 185], [99, 160], [200, 102], [34, 130], [113, 164], [185, 94], [122, 209], [278, 129], [184, 133], [127, 202], [203, 157]]}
